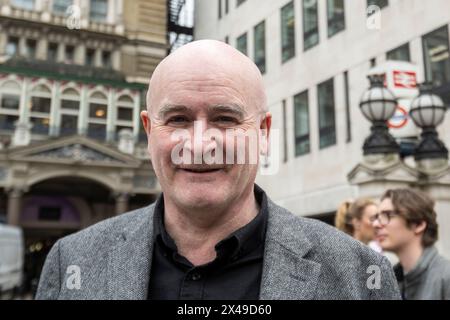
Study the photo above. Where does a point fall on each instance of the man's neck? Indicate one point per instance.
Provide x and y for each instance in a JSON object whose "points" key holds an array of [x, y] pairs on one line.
{"points": [[409, 256], [196, 232]]}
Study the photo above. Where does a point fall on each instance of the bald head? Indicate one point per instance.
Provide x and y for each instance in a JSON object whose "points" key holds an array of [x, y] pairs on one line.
{"points": [[204, 64]]}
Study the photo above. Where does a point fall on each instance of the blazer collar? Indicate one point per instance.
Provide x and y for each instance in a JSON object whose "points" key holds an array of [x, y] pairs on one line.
{"points": [[287, 272], [129, 260]]}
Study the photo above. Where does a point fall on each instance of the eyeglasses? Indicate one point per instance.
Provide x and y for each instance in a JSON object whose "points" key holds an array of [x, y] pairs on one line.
{"points": [[384, 217]]}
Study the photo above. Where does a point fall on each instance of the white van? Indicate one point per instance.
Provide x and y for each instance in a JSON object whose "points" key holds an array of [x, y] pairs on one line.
{"points": [[11, 259]]}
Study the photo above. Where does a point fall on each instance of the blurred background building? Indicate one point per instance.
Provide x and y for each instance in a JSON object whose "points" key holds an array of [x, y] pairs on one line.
{"points": [[73, 80], [315, 56]]}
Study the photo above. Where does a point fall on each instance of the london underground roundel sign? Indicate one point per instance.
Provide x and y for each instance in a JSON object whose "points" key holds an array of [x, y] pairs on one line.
{"points": [[399, 119]]}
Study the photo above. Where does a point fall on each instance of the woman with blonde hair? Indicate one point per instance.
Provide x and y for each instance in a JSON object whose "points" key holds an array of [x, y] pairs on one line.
{"points": [[354, 218]]}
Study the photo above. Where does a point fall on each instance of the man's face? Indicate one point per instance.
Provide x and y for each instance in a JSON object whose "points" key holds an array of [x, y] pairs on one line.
{"points": [[396, 234], [193, 103]]}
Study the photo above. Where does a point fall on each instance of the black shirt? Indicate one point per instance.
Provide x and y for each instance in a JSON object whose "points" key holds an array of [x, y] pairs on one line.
{"points": [[235, 274]]}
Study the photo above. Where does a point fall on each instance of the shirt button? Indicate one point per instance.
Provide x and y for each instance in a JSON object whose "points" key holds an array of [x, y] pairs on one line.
{"points": [[196, 276]]}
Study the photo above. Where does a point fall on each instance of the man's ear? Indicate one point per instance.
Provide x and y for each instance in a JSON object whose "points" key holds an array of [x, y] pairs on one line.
{"points": [[146, 121], [419, 228], [265, 126]]}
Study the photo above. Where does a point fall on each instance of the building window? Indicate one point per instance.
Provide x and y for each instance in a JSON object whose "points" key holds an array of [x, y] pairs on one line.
{"points": [[310, 24], [97, 111], [90, 57], [380, 3], [30, 48], [227, 40], [10, 101], [106, 59], [8, 122], [347, 107], [259, 34], [125, 114], [69, 125], [52, 52], [98, 108], [99, 10], [40, 110], [9, 105], [226, 6], [24, 4], [70, 108], [327, 122], [12, 47], [301, 116], [241, 43], [399, 54], [287, 32], [60, 6], [97, 131], [336, 16], [69, 54], [437, 57], [70, 105], [239, 2], [40, 104], [219, 5]]}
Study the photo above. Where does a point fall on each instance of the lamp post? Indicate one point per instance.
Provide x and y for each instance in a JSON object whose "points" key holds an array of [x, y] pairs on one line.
{"points": [[427, 112], [378, 104]]}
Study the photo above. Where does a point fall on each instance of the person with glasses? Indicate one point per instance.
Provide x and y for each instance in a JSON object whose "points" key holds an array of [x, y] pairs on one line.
{"points": [[406, 225]]}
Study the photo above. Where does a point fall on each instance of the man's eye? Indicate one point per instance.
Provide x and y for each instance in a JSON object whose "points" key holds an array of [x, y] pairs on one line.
{"points": [[178, 120], [225, 119]]}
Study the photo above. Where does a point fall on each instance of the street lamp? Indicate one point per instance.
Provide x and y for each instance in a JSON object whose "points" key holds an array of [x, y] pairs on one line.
{"points": [[378, 104], [427, 112]]}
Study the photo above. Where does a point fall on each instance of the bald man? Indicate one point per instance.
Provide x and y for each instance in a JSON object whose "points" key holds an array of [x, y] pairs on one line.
{"points": [[212, 233]]}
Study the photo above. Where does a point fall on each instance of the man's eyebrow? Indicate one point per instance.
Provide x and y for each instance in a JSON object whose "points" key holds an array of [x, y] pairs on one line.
{"points": [[169, 108], [228, 108]]}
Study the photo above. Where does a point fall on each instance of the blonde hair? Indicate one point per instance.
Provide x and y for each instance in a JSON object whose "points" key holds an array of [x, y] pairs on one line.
{"points": [[349, 210]]}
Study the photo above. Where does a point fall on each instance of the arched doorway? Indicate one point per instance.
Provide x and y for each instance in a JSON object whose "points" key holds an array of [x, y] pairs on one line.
{"points": [[55, 208]]}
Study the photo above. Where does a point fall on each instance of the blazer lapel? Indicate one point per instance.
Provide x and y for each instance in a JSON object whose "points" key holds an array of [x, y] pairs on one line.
{"points": [[287, 273], [130, 260]]}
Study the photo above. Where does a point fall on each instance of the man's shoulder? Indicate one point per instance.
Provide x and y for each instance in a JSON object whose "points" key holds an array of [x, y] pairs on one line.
{"points": [[326, 241], [105, 231]]}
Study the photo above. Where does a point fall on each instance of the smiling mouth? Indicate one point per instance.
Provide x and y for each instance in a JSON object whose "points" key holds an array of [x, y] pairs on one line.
{"points": [[202, 170]]}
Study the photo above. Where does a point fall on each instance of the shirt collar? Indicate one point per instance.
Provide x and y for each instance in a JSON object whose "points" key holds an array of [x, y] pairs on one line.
{"points": [[238, 243]]}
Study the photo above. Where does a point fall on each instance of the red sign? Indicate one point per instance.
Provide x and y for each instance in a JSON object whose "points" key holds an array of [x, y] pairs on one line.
{"points": [[400, 118], [405, 79]]}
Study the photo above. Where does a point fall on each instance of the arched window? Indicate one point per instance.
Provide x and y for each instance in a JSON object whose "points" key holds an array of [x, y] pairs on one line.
{"points": [[125, 112], [98, 109], [40, 104], [69, 111], [9, 105]]}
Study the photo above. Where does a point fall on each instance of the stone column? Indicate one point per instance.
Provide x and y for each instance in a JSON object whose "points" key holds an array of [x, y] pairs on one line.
{"points": [[14, 206], [98, 58], [121, 202], [3, 40], [42, 48]]}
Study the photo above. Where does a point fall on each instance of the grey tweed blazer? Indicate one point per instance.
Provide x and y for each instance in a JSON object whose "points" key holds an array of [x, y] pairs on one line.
{"points": [[303, 259]]}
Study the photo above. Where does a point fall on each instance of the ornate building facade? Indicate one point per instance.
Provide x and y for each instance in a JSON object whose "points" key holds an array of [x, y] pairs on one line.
{"points": [[73, 79]]}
